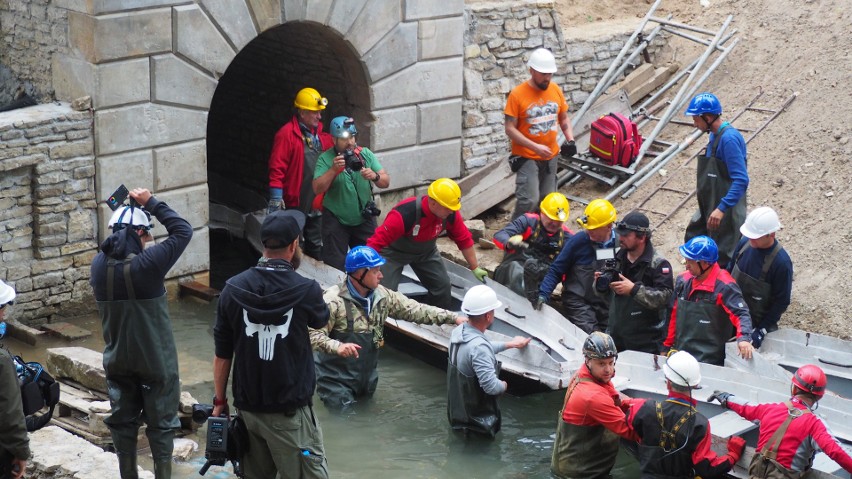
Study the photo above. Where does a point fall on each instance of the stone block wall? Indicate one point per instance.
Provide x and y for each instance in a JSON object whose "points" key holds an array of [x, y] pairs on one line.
{"points": [[31, 32], [47, 210], [499, 37]]}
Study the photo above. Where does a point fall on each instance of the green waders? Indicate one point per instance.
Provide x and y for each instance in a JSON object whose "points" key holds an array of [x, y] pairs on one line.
{"points": [[703, 328], [713, 183], [426, 263], [469, 407], [756, 291], [634, 327], [583, 307], [312, 233], [140, 360], [341, 380]]}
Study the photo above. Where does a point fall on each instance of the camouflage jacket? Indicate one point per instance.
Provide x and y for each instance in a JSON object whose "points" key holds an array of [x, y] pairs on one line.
{"points": [[385, 303]]}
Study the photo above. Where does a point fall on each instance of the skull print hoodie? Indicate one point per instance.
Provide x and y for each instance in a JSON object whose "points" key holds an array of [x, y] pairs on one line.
{"points": [[262, 326]]}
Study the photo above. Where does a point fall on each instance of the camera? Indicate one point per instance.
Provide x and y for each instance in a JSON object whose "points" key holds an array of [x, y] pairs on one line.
{"points": [[200, 412], [353, 162], [609, 273], [370, 210], [226, 438]]}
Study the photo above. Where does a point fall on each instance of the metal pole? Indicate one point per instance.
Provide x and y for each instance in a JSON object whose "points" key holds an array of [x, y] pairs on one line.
{"points": [[690, 37], [694, 88], [609, 73], [670, 23], [678, 98], [612, 194]]}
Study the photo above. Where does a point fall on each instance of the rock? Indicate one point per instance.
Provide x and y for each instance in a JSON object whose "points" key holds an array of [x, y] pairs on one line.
{"points": [[186, 402], [829, 194], [476, 227], [82, 104], [779, 182], [100, 407], [82, 365], [844, 140], [183, 449], [486, 244]]}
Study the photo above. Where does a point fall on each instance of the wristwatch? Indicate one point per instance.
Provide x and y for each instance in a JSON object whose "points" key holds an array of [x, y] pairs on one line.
{"points": [[378, 177]]}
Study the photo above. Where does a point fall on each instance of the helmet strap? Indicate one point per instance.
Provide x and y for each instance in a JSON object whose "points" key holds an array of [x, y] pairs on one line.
{"points": [[360, 281]]}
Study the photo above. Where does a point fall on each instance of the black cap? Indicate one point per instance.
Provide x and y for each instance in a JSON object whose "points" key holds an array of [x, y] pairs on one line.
{"points": [[284, 226], [634, 221]]}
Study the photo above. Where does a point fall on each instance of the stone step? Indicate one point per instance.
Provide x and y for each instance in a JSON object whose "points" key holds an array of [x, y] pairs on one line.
{"points": [[66, 331]]}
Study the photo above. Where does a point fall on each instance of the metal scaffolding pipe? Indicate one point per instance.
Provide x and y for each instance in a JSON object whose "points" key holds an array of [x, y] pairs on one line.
{"points": [[694, 88], [612, 67], [679, 97], [612, 194], [668, 22], [691, 37]]}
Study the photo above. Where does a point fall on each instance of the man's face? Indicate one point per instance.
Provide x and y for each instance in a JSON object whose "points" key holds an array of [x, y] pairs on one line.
{"points": [[602, 369], [541, 80], [630, 241], [601, 235], [342, 144], [763, 242], [694, 267], [372, 279], [310, 118], [439, 210], [698, 122], [551, 226]]}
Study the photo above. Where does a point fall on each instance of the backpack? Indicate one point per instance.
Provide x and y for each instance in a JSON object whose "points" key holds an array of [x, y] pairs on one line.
{"points": [[38, 389], [615, 139]]}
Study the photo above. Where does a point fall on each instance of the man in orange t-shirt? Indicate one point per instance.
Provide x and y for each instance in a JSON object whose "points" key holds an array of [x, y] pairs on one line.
{"points": [[533, 111]]}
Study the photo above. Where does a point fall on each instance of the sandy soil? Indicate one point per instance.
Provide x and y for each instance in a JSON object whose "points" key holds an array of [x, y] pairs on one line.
{"points": [[799, 165]]}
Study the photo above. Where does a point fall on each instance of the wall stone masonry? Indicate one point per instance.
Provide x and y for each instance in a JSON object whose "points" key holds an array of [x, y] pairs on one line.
{"points": [[47, 210], [498, 39]]}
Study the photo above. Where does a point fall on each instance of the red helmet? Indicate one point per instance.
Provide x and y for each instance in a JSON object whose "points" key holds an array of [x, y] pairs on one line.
{"points": [[811, 379]]}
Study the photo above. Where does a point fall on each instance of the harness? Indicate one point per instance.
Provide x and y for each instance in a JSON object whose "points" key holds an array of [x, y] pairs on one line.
{"points": [[411, 219], [540, 232], [128, 282], [770, 449], [767, 262], [668, 437]]}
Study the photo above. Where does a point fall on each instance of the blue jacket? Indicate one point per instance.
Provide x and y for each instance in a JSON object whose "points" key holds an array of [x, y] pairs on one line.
{"points": [[779, 276], [578, 250]]}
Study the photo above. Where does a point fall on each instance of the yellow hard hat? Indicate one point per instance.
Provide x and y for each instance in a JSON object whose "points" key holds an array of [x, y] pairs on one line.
{"points": [[446, 192], [555, 206], [310, 99], [598, 214]]}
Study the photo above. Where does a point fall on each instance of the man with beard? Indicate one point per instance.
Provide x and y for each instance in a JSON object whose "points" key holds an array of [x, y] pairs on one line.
{"points": [[262, 328], [639, 294], [533, 112]]}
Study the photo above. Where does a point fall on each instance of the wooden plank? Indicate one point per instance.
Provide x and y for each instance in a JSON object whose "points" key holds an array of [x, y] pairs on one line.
{"points": [[635, 79], [198, 290], [660, 76]]}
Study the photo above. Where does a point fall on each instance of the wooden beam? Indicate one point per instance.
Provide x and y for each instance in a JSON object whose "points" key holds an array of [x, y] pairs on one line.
{"points": [[660, 76]]}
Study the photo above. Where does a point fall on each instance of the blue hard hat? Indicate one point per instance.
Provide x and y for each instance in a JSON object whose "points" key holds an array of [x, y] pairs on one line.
{"points": [[704, 103], [342, 127], [700, 248], [362, 257]]}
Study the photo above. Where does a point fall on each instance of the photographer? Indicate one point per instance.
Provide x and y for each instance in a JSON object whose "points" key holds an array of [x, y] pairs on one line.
{"points": [[345, 174], [639, 288], [14, 441]]}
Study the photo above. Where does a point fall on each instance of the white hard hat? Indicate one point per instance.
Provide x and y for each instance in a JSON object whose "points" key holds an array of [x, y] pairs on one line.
{"points": [[7, 293], [129, 215], [760, 222], [542, 61], [479, 300], [682, 369]]}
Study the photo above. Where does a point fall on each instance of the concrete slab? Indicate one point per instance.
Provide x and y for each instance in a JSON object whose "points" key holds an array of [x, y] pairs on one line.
{"points": [[199, 39], [190, 203], [134, 170], [66, 331], [444, 159], [293, 10], [234, 18], [147, 125], [376, 19], [99, 7], [344, 14], [196, 258], [440, 120], [176, 81], [266, 13], [419, 9], [120, 35], [180, 165], [441, 38], [392, 53], [394, 128], [422, 82], [82, 365], [318, 10]]}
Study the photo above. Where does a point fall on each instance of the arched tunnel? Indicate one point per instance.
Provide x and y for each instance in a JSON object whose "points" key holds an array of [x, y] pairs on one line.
{"points": [[254, 98]]}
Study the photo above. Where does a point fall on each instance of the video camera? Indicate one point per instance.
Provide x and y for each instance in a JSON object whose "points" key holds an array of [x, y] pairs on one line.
{"points": [[609, 273], [226, 439]]}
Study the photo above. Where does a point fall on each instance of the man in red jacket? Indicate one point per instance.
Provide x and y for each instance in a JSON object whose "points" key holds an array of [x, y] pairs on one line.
{"points": [[409, 234], [790, 433], [294, 155]]}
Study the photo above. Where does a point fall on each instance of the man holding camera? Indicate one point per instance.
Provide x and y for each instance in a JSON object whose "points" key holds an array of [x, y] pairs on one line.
{"points": [[140, 357], [294, 155], [14, 441], [638, 290], [345, 174], [262, 328], [583, 254]]}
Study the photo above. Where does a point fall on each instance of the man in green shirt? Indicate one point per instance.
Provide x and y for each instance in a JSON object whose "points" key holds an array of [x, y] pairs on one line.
{"points": [[345, 174]]}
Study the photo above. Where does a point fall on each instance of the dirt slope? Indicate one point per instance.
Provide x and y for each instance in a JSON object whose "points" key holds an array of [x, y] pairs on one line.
{"points": [[801, 164]]}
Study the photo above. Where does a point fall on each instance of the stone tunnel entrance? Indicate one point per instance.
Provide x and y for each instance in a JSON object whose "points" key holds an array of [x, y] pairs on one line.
{"points": [[253, 100]]}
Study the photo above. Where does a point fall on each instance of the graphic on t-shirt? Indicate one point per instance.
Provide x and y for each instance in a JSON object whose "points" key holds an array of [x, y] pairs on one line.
{"points": [[542, 118], [267, 334]]}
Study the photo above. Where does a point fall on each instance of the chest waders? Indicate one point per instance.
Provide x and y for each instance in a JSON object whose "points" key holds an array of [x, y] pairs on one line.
{"points": [[140, 360], [583, 307], [632, 326], [341, 380], [764, 464], [312, 233], [756, 291], [713, 183], [664, 452], [582, 452], [703, 327], [524, 269], [469, 407]]}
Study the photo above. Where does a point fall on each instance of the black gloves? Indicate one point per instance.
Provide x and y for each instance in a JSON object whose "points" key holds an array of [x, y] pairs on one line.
{"points": [[568, 149]]}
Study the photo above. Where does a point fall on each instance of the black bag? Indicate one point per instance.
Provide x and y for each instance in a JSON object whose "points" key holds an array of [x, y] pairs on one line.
{"points": [[38, 389], [238, 441], [516, 162]]}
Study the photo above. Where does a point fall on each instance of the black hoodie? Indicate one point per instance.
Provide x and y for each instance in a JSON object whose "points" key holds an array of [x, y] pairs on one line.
{"points": [[262, 323]]}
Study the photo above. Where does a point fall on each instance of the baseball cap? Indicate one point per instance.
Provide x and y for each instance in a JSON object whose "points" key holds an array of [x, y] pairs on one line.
{"points": [[634, 221], [284, 226]]}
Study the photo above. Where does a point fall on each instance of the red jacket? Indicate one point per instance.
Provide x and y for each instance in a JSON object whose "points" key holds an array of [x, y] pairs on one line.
{"points": [[430, 226], [286, 161], [806, 434], [594, 403]]}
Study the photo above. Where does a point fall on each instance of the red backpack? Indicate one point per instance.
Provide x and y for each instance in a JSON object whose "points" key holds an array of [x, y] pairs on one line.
{"points": [[615, 139]]}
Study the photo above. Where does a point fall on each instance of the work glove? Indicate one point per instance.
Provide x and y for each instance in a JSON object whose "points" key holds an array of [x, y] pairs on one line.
{"points": [[516, 241], [736, 445], [539, 302], [569, 148], [720, 396], [480, 274], [757, 337]]}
